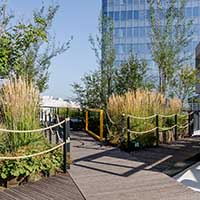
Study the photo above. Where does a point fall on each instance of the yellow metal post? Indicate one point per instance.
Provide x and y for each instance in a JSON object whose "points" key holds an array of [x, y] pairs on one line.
{"points": [[86, 120], [101, 125]]}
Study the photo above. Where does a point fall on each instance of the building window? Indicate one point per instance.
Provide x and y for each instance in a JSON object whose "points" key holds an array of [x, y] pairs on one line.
{"points": [[129, 32], [123, 16], [116, 16], [136, 14], [196, 11], [129, 15], [130, 2], [111, 15], [188, 12], [136, 32], [141, 15]]}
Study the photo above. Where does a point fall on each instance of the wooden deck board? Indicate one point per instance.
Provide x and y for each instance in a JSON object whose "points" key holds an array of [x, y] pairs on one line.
{"points": [[59, 187], [108, 173]]}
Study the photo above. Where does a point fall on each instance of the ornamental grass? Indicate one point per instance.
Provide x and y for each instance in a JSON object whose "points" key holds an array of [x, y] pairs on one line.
{"points": [[19, 101], [141, 103]]}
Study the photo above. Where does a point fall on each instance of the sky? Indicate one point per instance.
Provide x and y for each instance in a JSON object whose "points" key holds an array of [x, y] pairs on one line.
{"points": [[77, 18]]}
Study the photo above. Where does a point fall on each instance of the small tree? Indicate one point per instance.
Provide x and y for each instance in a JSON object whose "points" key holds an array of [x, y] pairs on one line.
{"points": [[131, 76], [184, 83], [170, 35], [88, 93]]}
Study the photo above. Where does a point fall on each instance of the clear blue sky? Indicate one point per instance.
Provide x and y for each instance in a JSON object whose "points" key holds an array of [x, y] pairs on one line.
{"points": [[78, 18]]}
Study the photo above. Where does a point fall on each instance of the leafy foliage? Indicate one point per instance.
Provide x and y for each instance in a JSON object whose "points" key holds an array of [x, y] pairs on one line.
{"points": [[25, 167], [170, 36], [27, 49], [131, 76], [184, 83]]}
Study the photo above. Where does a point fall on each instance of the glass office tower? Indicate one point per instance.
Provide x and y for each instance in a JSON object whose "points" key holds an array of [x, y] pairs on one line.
{"points": [[131, 22]]}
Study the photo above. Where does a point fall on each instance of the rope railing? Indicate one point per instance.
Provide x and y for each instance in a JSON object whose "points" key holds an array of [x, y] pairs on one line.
{"points": [[65, 143], [166, 116], [142, 118], [109, 118], [166, 128], [32, 155], [142, 132], [33, 131]]}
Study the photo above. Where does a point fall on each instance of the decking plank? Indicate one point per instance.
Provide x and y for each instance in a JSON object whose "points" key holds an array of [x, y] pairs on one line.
{"points": [[108, 173]]}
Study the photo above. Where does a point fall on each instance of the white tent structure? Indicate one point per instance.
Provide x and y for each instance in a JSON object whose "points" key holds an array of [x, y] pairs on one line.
{"points": [[47, 101]]}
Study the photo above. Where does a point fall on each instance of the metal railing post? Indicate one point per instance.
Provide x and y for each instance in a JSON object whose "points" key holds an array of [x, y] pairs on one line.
{"points": [[157, 130], [192, 123], [189, 124], [86, 120], [65, 147], [175, 128], [67, 122], [128, 134], [123, 129]]}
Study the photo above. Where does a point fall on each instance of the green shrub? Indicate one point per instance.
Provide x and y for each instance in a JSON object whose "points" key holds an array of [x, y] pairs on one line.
{"points": [[25, 167]]}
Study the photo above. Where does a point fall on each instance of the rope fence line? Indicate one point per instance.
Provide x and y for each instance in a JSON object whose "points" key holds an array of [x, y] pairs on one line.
{"points": [[166, 116], [182, 127], [33, 131], [112, 121], [151, 117], [58, 121], [109, 118], [167, 128], [142, 118], [160, 129], [142, 132], [32, 155]]}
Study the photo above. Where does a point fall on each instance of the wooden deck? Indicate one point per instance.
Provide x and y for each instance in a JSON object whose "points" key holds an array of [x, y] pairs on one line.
{"points": [[107, 173], [60, 187]]}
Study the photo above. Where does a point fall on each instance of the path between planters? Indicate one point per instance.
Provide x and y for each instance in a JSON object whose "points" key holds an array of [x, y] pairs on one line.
{"points": [[107, 173]]}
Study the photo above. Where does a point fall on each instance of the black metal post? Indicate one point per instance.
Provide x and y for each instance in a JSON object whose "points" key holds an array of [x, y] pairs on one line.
{"points": [[68, 143], [49, 118], [192, 123], [123, 129], [67, 112], [65, 148], [45, 122], [157, 130], [42, 116], [58, 130], [175, 128], [189, 124], [50, 136], [128, 134], [45, 118]]}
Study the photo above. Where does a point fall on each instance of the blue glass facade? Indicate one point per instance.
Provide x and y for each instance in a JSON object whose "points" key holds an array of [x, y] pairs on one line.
{"points": [[131, 22]]}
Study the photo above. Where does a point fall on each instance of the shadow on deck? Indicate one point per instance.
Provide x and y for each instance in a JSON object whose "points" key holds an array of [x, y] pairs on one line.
{"points": [[170, 159]]}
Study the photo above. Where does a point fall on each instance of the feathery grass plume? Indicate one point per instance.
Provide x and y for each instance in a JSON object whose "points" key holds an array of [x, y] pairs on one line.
{"points": [[19, 100], [143, 103]]}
